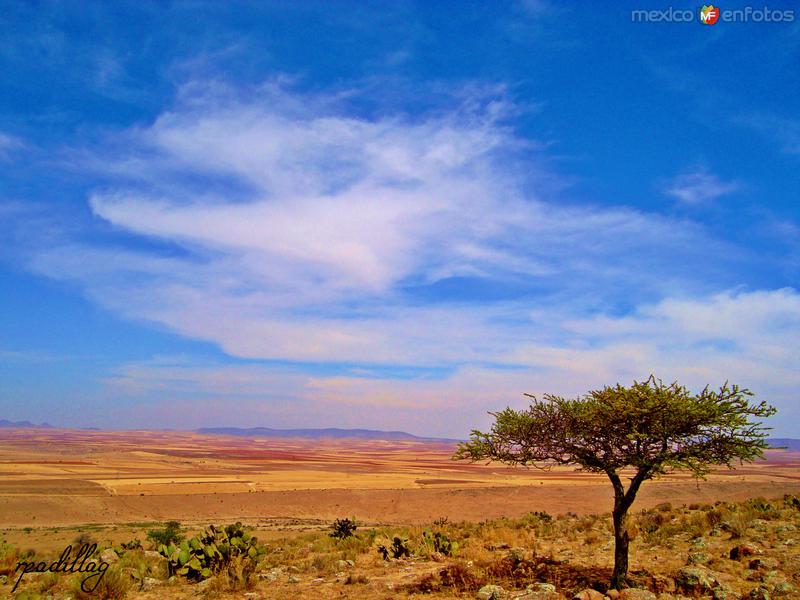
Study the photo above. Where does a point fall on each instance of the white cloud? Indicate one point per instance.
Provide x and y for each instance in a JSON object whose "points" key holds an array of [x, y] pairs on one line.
{"points": [[343, 218], [298, 229], [782, 130], [9, 144], [698, 187], [746, 337]]}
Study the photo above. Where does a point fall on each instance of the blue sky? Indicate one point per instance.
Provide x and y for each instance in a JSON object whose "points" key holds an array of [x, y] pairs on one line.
{"points": [[389, 215]]}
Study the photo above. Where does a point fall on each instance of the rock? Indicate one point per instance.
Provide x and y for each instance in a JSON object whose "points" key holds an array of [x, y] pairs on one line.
{"points": [[109, 555], [271, 575], [698, 558], [148, 583], [763, 563], [293, 579], [152, 554], [613, 594], [517, 553], [203, 585], [542, 587], [292, 569], [318, 580], [341, 564], [350, 562], [636, 594], [251, 595], [662, 583], [722, 592], [695, 580], [491, 592], [784, 588], [589, 594], [742, 550]]}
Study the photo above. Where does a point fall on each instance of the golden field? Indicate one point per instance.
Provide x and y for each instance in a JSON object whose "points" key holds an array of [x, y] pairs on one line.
{"points": [[112, 487]]}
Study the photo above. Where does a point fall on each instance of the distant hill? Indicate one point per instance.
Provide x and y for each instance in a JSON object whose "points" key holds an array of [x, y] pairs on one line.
{"points": [[23, 425], [790, 443], [329, 432]]}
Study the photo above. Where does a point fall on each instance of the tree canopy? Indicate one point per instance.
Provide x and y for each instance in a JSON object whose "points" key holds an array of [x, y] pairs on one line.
{"points": [[648, 429]]}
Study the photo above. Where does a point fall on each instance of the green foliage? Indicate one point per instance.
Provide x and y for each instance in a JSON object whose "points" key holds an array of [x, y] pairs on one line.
{"points": [[398, 549], [650, 427], [212, 551], [129, 546], [343, 528], [169, 534], [439, 542], [791, 501]]}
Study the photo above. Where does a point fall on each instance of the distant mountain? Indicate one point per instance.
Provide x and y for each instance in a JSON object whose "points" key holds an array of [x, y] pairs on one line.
{"points": [[329, 432], [23, 425], [790, 443]]}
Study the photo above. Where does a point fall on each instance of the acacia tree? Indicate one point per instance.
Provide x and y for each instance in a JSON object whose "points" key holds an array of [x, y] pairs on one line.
{"points": [[638, 432]]}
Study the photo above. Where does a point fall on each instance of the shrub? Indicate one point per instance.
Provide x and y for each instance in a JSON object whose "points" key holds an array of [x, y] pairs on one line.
{"points": [[9, 557], [459, 577], [84, 538], [132, 545], [169, 534], [343, 528], [113, 586]]}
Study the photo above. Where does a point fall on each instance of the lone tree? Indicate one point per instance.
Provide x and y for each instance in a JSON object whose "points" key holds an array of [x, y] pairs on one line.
{"points": [[641, 431]]}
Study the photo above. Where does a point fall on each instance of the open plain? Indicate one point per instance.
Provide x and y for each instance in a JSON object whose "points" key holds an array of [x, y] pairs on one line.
{"points": [[60, 487], [54, 477]]}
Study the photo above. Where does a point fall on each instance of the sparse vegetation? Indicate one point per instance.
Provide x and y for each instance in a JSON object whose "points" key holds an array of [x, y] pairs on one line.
{"points": [[343, 528], [649, 429], [170, 533], [678, 551], [232, 549]]}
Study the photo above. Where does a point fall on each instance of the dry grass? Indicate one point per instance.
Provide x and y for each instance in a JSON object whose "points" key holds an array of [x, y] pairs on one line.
{"points": [[570, 552]]}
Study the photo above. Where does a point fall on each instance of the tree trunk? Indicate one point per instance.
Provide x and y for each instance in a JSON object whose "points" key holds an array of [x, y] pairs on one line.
{"points": [[621, 539]]}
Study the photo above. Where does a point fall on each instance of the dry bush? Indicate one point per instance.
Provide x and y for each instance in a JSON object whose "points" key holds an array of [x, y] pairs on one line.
{"points": [[238, 576], [356, 579], [47, 582], [9, 557], [459, 577], [113, 586], [737, 525], [594, 537], [84, 537], [515, 573], [714, 516]]}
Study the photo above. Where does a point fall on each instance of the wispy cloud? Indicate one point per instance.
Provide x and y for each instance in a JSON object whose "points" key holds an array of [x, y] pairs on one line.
{"points": [[9, 144], [307, 233], [287, 226], [747, 336], [784, 131], [698, 187]]}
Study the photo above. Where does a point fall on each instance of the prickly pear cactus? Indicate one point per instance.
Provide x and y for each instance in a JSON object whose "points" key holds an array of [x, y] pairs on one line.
{"points": [[211, 551]]}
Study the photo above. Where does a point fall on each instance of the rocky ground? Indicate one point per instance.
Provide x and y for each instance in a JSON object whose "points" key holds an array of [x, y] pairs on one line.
{"points": [[723, 551]]}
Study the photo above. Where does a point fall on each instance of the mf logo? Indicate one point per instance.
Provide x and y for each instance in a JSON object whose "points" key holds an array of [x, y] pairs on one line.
{"points": [[709, 14]]}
